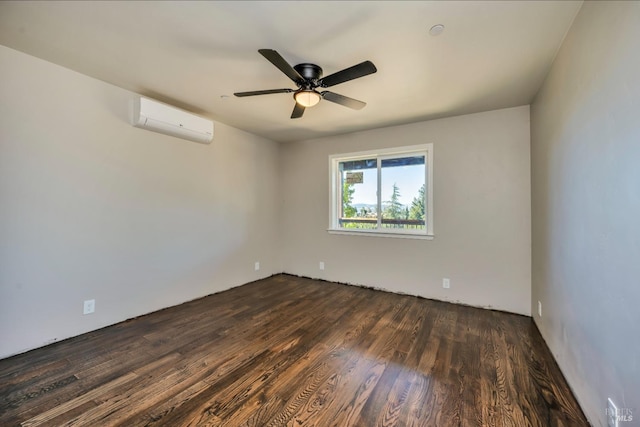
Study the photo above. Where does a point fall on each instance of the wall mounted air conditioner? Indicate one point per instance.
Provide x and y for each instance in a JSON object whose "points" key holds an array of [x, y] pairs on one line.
{"points": [[158, 117]]}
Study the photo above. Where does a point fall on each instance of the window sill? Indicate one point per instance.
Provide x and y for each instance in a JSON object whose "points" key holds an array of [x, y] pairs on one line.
{"points": [[380, 234]]}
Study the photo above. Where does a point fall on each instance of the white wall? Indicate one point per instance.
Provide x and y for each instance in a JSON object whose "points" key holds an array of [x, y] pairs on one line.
{"points": [[482, 213], [586, 207], [91, 207]]}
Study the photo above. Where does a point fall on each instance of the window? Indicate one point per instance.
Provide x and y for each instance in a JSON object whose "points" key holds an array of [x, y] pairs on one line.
{"points": [[384, 192]]}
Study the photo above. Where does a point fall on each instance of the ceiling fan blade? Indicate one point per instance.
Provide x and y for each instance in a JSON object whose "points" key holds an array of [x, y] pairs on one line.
{"points": [[298, 111], [343, 100], [263, 92], [363, 69], [277, 60]]}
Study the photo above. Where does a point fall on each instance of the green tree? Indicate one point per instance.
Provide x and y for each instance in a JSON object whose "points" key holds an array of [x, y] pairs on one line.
{"points": [[395, 209], [347, 198], [417, 205]]}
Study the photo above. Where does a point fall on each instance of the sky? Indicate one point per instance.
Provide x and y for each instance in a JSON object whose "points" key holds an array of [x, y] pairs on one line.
{"points": [[409, 179]]}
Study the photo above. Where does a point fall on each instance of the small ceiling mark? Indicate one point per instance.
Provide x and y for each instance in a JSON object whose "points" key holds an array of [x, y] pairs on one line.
{"points": [[436, 30]]}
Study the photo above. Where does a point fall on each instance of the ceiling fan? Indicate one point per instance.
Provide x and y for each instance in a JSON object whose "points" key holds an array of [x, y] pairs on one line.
{"points": [[308, 78]]}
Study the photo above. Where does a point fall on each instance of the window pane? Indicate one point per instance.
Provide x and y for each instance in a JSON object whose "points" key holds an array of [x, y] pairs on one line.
{"points": [[358, 179], [403, 193]]}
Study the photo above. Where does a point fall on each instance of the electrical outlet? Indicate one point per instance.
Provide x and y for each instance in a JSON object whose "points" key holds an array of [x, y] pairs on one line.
{"points": [[89, 306], [612, 414], [321, 265], [446, 283], [257, 265], [539, 309]]}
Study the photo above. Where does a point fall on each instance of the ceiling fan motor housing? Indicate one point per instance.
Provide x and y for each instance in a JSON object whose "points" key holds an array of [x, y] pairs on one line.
{"points": [[310, 72]]}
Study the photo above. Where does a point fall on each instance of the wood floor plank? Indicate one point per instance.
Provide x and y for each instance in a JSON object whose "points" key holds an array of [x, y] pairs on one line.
{"points": [[74, 403], [291, 351], [415, 413]]}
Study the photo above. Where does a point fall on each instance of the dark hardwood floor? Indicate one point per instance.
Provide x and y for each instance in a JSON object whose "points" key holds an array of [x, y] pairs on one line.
{"points": [[289, 351]]}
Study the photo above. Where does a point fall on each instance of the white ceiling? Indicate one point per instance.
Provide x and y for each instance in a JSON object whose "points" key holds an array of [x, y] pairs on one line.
{"points": [[492, 54]]}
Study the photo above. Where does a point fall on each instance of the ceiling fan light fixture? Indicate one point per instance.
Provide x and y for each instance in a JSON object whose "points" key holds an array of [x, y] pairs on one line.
{"points": [[307, 98], [308, 78]]}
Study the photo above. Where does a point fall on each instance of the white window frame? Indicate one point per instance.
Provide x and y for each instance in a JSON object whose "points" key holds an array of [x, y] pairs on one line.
{"points": [[335, 196]]}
